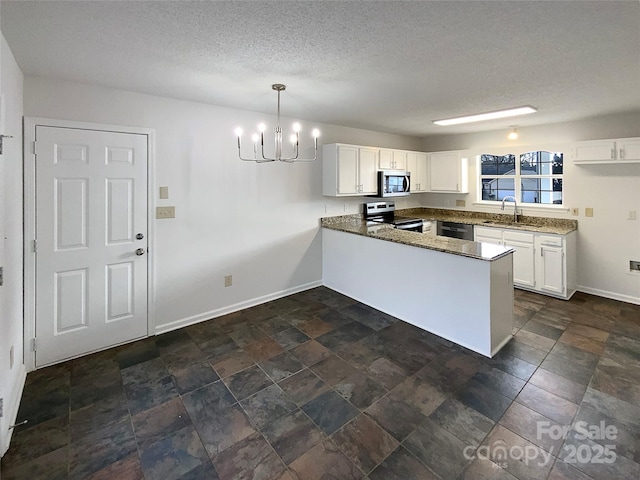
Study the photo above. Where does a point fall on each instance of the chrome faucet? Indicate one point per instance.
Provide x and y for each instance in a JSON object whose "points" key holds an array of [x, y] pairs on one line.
{"points": [[515, 207]]}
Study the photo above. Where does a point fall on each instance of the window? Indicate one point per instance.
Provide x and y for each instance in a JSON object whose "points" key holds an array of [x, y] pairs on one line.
{"points": [[533, 177]]}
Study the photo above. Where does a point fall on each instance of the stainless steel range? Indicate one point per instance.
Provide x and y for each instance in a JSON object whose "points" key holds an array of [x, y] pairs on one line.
{"points": [[384, 212]]}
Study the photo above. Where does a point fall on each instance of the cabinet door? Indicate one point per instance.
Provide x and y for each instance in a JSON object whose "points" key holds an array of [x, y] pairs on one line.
{"points": [[399, 160], [386, 159], [523, 262], [594, 151], [444, 172], [552, 269], [628, 149], [417, 166], [348, 170], [368, 171]]}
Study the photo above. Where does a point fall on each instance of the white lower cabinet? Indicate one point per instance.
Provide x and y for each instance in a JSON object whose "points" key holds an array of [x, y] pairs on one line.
{"points": [[551, 264], [543, 263], [524, 272]]}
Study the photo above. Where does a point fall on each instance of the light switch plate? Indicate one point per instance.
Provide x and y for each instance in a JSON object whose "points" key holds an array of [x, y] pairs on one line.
{"points": [[164, 193], [575, 212], [588, 212], [165, 212]]}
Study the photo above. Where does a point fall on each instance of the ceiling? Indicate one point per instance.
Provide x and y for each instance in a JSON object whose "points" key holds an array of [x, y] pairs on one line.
{"points": [[387, 66]]}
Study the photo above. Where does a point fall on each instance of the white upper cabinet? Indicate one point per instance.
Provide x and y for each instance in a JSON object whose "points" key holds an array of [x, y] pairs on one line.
{"points": [[349, 170], [628, 149], [393, 159], [417, 166], [622, 150], [448, 173], [368, 170]]}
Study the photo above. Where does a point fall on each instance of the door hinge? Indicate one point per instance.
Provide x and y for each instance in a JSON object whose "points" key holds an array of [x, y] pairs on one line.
{"points": [[35, 246], [33, 344]]}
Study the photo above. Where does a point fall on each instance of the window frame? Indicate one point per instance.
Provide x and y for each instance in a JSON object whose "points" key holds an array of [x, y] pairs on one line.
{"points": [[517, 176]]}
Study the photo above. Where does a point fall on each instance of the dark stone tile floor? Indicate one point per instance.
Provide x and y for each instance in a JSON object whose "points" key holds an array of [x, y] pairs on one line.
{"points": [[318, 386]]}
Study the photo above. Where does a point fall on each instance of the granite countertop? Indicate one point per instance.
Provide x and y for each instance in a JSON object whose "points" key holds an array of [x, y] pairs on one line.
{"points": [[558, 226], [356, 225]]}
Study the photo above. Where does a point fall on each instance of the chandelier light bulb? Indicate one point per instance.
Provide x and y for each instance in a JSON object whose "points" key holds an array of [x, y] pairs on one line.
{"points": [[238, 132], [315, 133], [293, 138], [513, 134], [255, 137], [262, 127], [296, 127]]}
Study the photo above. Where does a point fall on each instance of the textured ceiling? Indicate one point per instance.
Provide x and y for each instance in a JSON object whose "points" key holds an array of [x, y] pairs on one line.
{"points": [[386, 66]]}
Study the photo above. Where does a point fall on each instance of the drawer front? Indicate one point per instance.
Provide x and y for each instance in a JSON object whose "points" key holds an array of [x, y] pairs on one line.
{"points": [[547, 240], [511, 236], [488, 232]]}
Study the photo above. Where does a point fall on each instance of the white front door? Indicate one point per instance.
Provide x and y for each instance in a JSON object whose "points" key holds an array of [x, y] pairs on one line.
{"points": [[91, 241]]}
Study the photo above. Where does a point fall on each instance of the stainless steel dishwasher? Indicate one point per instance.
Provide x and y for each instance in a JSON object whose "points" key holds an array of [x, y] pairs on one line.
{"points": [[455, 230]]}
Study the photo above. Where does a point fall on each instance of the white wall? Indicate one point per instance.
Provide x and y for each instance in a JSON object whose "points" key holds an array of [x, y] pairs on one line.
{"points": [[257, 222], [607, 241], [11, 378]]}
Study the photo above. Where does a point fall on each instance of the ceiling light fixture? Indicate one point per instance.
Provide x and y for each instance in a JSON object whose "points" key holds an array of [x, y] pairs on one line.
{"points": [[294, 138], [513, 134], [479, 117]]}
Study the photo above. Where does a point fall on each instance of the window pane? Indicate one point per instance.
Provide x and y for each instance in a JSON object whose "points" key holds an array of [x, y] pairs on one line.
{"points": [[497, 188], [497, 164], [541, 190], [541, 163]]}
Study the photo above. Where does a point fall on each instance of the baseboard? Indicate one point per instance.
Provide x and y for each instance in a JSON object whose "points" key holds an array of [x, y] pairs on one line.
{"points": [[11, 410], [607, 294], [185, 322]]}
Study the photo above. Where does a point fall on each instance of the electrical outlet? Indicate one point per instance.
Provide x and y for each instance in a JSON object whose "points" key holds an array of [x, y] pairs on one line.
{"points": [[346, 207], [460, 203], [165, 212], [164, 193], [575, 212], [228, 280], [327, 208], [634, 265], [588, 212]]}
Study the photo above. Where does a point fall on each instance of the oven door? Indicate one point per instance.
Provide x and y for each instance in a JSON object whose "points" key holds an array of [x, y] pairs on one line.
{"points": [[393, 184], [411, 227]]}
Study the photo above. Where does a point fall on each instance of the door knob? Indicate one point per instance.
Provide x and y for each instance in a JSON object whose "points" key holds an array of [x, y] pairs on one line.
{"points": [[139, 236], [140, 251]]}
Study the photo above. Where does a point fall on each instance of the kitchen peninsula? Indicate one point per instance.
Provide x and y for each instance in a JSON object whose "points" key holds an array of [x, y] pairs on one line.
{"points": [[457, 289]]}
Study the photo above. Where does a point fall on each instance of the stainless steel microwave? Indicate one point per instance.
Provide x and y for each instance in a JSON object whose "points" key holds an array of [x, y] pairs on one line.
{"points": [[392, 183]]}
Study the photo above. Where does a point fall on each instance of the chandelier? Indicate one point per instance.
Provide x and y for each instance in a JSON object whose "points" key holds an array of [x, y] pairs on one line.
{"points": [[294, 138]]}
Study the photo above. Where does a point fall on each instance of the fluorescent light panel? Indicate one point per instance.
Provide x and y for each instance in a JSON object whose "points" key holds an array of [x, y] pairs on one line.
{"points": [[479, 117]]}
